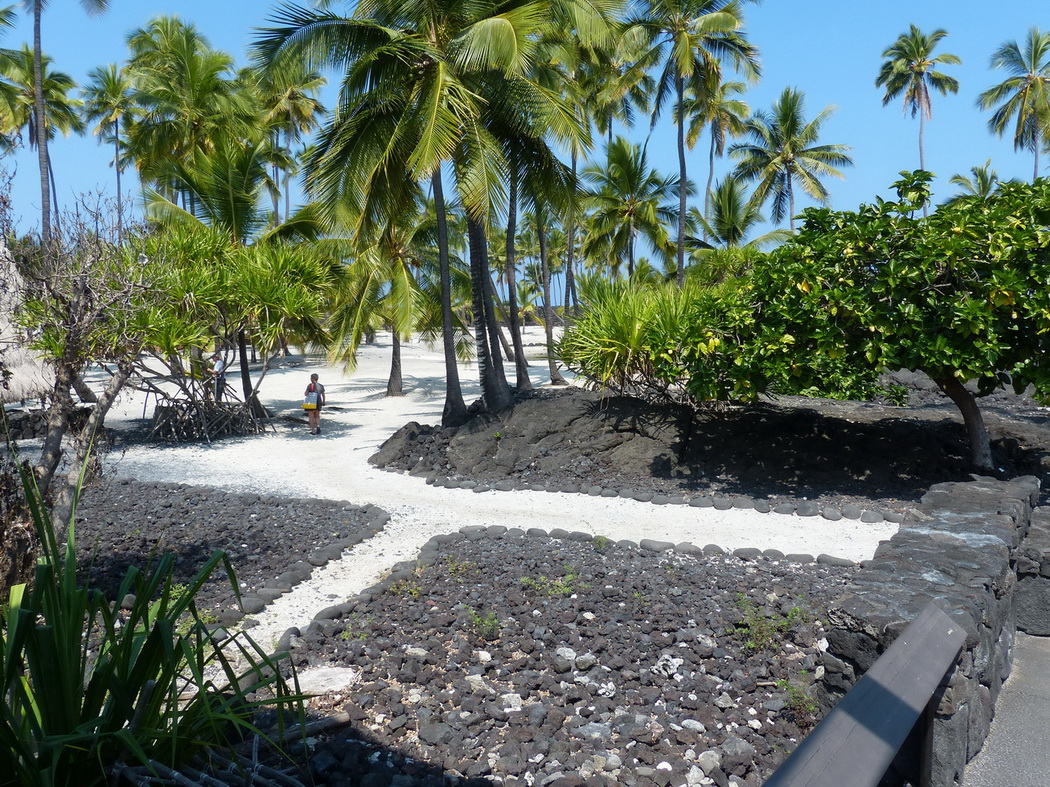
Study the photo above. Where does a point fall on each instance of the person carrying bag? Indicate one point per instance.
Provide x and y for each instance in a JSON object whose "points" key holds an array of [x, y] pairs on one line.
{"points": [[313, 401]]}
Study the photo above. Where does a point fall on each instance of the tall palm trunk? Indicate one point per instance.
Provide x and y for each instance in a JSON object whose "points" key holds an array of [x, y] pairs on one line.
{"points": [[116, 166], [710, 184], [41, 130], [922, 156], [495, 392], [789, 188], [521, 366], [288, 176], [455, 410], [680, 88], [630, 248], [394, 384], [572, 300], [548, 312]]}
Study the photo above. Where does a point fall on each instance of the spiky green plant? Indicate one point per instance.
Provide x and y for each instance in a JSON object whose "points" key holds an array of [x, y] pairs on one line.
{"points": [[89, 687]]}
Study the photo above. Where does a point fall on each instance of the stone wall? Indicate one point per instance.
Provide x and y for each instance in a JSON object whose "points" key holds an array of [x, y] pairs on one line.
{"points": [[959, 550], [25, 424]]}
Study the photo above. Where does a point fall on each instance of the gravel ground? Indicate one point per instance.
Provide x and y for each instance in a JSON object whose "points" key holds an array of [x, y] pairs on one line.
{"points": [[272, 543], [628, 666], [522, 659]]}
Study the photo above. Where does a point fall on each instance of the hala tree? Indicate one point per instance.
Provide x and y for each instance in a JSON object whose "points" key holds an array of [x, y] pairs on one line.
{"points": [[961, 296]]}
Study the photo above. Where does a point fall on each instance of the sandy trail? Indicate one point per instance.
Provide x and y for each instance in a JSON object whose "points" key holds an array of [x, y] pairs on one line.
{"points": [[333, 465]]}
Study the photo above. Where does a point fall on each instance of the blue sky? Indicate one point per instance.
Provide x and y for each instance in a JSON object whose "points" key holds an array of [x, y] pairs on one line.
{"points": [[829, 49]]}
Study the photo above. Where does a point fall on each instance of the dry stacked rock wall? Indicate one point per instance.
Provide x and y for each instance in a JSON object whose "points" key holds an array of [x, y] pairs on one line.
{"points": [[958, 550], [1032, 597]]}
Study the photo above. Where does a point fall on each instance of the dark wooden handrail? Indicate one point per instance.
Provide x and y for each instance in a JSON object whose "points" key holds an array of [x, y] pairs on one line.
{"points": [[857, 741]]}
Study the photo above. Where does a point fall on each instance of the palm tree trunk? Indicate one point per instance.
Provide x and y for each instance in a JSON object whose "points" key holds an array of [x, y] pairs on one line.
{"points": [[54, 196], [680, 88], [494, 391], [791, 202], [548, 312], [521, 366], [630, 249], [41, 129], [394, 384], [455, 410], [572, 301], [710, 183], [116, 166], [922, 157], [288, 178], [491, 323]]}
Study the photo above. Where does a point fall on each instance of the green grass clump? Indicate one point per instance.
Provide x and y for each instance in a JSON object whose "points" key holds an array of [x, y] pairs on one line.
{"points": [[90, 688]]}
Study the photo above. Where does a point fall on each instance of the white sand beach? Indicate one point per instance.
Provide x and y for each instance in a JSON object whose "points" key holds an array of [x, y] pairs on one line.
{"points": [[359, 417]]}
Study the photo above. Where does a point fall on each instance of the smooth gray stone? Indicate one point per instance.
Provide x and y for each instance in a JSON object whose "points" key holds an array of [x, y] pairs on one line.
{"points": [[723, 503], [871, 517], [609, 493], [784, 508], [558, 532], [807, 508], [627, 494], [505, 486], [743, 503], [852, 512], [482, 488], [747, 553], [713, 549], [660, 500], [773, 554], [799, 557], [701, 502], [536, 531], [762, 506], [831, 514], [828, 560], [685, 548], [653, 545], [594, 491]]}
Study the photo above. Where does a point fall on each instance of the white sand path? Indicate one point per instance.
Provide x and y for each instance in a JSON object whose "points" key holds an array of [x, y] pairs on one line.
{"points": [[333, 465]]}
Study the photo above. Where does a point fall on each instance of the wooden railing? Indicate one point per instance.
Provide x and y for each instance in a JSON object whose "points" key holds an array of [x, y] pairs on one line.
{"points": [[857, 741]]}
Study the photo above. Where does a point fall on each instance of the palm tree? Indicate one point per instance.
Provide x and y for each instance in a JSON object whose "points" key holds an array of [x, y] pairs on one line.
{"points": [[428, 84], [39, 106], [733, 216], [982, 182], [8, 91], [692, 38], [782, 151], [60, 110], [1023, 98], [108, 100], [190, 99], [724, 115], [627, 199], [910, 71], [289, 99]]}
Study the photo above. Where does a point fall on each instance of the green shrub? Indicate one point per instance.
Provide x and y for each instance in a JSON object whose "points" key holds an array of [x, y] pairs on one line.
{"points": [[487, 626], [90, 687]]}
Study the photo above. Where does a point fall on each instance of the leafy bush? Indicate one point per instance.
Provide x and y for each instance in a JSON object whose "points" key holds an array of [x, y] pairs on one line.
{"points": [[629, 338], [89, 687]]}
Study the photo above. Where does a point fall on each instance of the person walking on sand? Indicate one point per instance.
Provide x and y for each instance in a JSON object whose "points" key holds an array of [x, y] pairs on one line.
{"points": [[315, 414]]}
